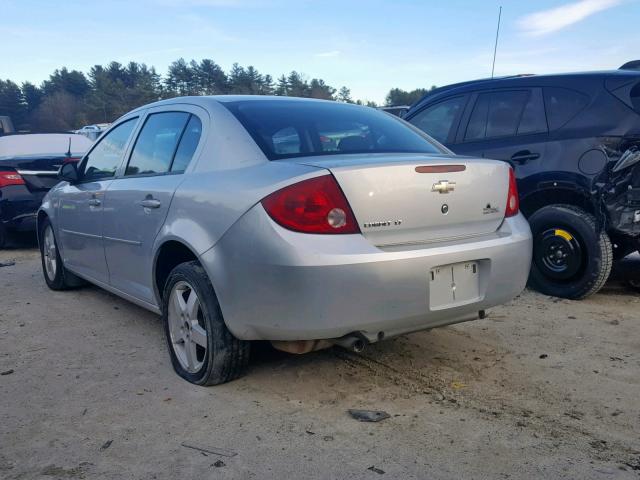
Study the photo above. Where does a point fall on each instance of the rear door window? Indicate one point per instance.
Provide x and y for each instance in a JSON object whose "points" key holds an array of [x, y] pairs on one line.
{"points": [[188, 144], [533, 118], [156, 144], [496, 114], [562, 105], [439, 119]]}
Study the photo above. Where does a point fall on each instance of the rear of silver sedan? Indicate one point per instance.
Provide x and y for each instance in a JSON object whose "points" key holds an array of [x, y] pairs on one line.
{"points": [[307, 223], [425, 241]]}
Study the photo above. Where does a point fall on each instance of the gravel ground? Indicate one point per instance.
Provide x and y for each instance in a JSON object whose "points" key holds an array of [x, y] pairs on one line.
{"points": [[543, 388]]}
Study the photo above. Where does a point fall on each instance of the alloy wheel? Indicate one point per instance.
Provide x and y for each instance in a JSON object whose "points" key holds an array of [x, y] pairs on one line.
{"points": [[187, 327], [49, 250]]}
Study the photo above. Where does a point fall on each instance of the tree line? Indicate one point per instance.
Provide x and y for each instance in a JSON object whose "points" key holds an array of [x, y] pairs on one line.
{"points": [[69, 99]]}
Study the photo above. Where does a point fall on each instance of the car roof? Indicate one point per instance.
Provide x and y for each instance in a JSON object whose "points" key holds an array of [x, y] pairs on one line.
{"points": [[527, 80], [206, 100]]}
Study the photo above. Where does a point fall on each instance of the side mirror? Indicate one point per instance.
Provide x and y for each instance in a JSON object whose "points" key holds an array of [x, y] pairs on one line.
{"points": [[69, 172]]}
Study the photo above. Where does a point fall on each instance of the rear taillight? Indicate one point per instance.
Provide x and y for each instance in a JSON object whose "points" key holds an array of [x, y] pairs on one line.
{"points": [[10, 178], [513, 202], [71, 160], [316, 205]]}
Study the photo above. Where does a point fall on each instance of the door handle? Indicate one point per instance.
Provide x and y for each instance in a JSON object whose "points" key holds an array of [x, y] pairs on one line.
{"points": [[524, 156], [95, 202], [150, 203]]}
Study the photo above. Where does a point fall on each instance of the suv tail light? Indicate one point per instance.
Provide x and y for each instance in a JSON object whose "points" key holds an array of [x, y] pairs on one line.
{"points": [[316, 205], [71, 160], [10, 178], [513, 202]]}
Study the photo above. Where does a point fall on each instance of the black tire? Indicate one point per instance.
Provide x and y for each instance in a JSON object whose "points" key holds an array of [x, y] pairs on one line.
{"points": [[570, 258], [63, 279], [226, 357], [3, 236], [634, 285]]}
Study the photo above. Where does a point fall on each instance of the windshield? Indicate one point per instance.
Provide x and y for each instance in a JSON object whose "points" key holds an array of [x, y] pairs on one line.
{"points": [[286, 129]]}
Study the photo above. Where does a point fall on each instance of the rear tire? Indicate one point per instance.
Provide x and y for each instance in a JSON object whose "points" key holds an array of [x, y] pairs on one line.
{"points": [[3, 236], [203, 351], [570, 258], [55, 274]]}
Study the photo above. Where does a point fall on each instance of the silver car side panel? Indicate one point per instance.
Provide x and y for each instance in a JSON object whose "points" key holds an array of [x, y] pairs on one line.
{"points": [[129, 228]]}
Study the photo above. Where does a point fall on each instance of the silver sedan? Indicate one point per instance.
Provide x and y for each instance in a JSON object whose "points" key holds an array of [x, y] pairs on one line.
{"points": [[307, 223]]}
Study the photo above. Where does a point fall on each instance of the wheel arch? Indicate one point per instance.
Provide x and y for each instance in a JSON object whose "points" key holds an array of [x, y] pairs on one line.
{"points": [[169, 254], [42, 215], [551, 196]]}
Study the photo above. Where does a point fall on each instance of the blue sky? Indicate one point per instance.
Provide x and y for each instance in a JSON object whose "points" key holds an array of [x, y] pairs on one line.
{"points": [[369, 46]]}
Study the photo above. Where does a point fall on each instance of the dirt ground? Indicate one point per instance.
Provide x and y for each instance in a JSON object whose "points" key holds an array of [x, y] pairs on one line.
{"points": [[543, 388]]}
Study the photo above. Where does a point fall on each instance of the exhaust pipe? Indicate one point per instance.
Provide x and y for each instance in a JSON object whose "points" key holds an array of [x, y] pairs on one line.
{"points": [[353, 343]]}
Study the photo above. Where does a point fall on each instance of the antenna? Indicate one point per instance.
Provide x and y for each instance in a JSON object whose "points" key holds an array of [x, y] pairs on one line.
{"points": [[68, 154], [495, 48]]}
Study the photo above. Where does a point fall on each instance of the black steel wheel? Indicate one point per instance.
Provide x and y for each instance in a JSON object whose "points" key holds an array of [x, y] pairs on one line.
{"points": [[571, 258]]}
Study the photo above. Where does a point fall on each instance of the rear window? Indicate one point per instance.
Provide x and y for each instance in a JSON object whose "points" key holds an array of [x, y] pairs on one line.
{"points": [[562, 105], [287, 129]]}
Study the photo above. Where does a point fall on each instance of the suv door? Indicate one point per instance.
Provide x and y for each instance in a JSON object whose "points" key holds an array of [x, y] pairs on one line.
{"points": [[508, 125], [138, 199], [81, 204]]}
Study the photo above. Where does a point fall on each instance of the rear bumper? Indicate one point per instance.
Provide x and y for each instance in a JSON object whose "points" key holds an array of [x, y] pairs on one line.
{"points": [[273, 284], [19, 207]]}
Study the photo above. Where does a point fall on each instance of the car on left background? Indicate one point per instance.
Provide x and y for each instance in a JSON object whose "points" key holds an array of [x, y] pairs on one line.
{"points": [[92, 132], [29, 165]]}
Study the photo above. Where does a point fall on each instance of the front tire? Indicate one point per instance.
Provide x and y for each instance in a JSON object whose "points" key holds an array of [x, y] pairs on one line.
{"points": [[55, 274], [203, 351], [571, 259]]}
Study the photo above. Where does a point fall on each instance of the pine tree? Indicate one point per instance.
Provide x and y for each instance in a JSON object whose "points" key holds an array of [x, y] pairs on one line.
{"points": [[344, 95], [282, 88]]}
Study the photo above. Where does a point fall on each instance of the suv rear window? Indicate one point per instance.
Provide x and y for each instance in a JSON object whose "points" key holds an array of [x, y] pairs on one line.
{"points": [[562, 105], [295, 128]]}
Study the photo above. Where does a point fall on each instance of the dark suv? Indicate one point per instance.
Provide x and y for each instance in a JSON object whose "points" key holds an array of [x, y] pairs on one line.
{"points": [[574, 141]]}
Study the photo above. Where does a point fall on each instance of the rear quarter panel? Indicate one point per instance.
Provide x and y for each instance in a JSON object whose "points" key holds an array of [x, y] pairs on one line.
{"points": [[207, 204]]}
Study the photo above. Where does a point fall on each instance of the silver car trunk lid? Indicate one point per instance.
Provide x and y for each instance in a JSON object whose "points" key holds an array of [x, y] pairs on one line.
{"points": [[405, 198]]}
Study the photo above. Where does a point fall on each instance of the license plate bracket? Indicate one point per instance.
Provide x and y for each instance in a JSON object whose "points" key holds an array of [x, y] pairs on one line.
{"points": [[454, 284]]}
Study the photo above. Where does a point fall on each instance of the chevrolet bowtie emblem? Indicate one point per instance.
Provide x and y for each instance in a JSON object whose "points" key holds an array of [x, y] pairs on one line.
{"points": [[444, 186]]}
